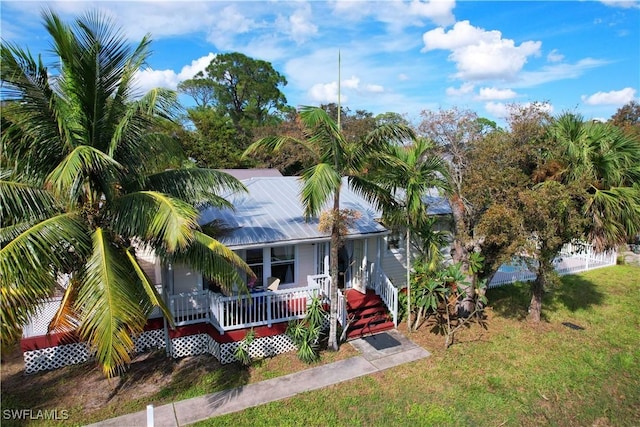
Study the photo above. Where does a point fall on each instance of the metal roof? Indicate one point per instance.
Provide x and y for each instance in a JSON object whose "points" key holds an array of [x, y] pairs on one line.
{"points": [[272, 213]]}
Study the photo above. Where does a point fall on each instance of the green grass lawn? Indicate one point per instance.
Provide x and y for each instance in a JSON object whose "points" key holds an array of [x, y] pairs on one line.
{"points": [[513, 374]]}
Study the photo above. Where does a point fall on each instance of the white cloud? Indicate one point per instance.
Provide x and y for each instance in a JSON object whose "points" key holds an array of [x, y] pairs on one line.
{"points": [[438, 11], [464, 89], [556, 72], [374, 88], [491, 93], [398, 14], [298, 25], [351, 83], [231, 22], [625, 4], [403, 77], [614, 97], [325, 93], [555, 56], [148, 78], [481, 54], [497, 109]]}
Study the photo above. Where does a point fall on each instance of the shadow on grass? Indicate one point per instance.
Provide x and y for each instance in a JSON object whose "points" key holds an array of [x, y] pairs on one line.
{"points": [[187, 377], [572, 293]]}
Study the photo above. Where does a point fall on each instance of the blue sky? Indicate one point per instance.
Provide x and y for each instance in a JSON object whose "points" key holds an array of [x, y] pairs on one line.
{"points": [[400, 56]]}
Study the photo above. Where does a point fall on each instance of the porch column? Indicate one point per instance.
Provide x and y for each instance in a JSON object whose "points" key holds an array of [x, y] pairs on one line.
{"points": [[167, 291]]}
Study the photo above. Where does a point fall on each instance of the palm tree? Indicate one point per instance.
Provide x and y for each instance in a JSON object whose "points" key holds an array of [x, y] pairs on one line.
{"points": [[409, 173], [599, 173], [84, 183], [335, 158]]}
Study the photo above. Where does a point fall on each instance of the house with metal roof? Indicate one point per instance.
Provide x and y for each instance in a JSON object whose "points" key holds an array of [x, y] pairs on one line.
{"points": [[290, 256]]}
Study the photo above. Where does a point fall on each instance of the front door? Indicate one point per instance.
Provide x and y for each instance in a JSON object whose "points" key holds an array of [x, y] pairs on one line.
{"points": [[358, 267]]}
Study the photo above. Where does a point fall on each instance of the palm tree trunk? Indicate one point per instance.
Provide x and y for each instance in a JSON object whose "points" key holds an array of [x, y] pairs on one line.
{"points": [[461, 255], [335, 246]]}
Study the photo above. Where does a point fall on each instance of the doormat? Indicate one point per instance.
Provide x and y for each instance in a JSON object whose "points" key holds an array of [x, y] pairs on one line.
{"points": [[382, 341]]}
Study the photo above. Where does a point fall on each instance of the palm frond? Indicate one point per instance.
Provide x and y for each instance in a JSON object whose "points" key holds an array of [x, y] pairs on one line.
{"points": [[20, 202], [112, 305], [52, 244], [154, 298], [319, 183], [156, 219], [65, 319], [215, 261], [195, 186], [67, 178]]}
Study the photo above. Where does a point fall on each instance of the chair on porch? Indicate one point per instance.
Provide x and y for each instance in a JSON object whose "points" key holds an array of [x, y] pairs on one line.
{"points": [[273, 283]]}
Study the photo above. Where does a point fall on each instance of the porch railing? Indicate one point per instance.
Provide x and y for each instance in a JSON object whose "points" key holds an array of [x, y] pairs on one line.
{"points": [[260, 308], [188, 308], [324, 282], [387, 292]]}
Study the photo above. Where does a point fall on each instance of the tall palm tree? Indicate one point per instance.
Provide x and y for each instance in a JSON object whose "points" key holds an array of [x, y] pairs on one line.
{"points": [[409, 172], [335, 158], [84, 183]]}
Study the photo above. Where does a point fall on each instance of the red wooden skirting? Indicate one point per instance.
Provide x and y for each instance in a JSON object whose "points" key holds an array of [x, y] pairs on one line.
{"points": [[54, 340]]}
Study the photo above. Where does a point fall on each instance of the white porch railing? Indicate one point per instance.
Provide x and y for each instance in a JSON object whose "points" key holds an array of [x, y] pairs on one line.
{"points": [[259, 308], [324, 282], [188, 308], [387, 292]]}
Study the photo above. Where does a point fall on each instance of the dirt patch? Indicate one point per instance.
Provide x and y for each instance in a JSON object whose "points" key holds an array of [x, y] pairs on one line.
{"points": [[152, 378]]}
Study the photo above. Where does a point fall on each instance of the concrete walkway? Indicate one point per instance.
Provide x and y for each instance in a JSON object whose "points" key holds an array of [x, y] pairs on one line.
{"points": [[377, 353]]}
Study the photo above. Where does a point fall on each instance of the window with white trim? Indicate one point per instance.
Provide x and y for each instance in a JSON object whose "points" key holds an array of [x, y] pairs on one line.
{"points": [[283, 263], [255, 261], [395, 240]]}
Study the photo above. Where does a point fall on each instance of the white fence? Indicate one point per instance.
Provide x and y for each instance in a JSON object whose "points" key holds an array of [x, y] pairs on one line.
{"points": [[573, 258]]}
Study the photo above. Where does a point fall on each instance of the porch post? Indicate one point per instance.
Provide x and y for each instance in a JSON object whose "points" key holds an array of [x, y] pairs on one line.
{"points": [[167, 285]]}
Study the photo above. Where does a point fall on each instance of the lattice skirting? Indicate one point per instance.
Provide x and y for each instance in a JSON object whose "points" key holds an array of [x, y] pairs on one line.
{"points": [[55, 357], [191, 345]]}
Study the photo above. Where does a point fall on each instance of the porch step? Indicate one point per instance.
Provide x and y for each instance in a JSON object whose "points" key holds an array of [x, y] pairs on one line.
{"points": [[368, 314]]}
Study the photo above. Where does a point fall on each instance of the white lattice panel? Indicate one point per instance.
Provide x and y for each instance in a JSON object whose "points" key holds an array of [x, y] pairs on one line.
{"points": [[150, 340], [55, 357], [214, 348], [259, 348], [191, 345]]}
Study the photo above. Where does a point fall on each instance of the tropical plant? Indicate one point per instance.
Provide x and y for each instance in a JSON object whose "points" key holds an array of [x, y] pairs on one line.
{"points": [[335, 157], [85, 182], [242, 352], [589, 190], [308, 332], [410, 173]]}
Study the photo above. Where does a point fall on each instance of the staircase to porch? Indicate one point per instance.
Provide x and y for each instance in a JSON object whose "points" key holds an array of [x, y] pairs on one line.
{"points": [[367, 314]]}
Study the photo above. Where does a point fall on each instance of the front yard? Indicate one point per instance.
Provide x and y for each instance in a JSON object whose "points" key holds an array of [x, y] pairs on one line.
{"points": [[511, 374]]}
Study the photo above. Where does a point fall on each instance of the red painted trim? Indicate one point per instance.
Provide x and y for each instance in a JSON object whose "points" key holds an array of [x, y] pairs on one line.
{"points": [[54, 340], [46, 341]]}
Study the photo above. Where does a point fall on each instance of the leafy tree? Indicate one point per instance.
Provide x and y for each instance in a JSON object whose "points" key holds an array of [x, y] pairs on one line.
{"points": [[409, 172], [455, 132], [246, 89], [336, 157], [199, 88], [82, 186], [627, 118]]}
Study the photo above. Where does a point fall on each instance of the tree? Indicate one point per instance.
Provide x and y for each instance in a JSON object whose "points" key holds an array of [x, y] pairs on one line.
{"points": [[409, 172], [336, 157], [627, 118], [246, 89], [199, 88], [82, 187], [455, 132]]}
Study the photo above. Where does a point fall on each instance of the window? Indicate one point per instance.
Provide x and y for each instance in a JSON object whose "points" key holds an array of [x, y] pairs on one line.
{"points": [[283, 263], [255, 261], [395, 240]]}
